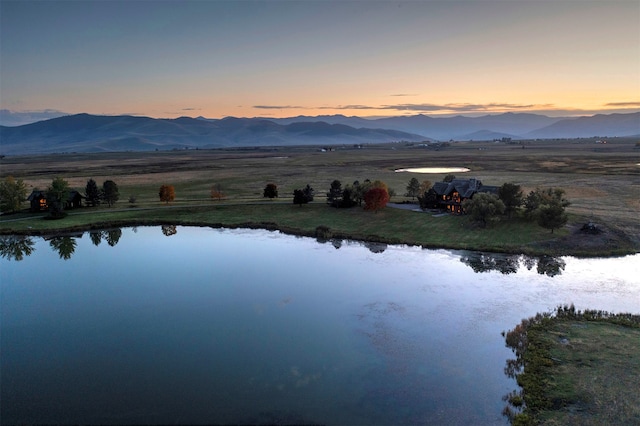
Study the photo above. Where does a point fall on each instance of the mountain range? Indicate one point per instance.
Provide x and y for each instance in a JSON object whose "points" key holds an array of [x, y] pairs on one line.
{"points": [[96, 133]]}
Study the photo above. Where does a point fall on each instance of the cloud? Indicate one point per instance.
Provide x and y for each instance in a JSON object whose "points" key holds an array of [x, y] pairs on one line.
{"points": [[623, 104], [403, 94], [490, 107], [424, 107], [279, 107]]}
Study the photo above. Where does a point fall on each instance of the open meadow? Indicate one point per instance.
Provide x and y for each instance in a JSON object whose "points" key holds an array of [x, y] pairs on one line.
{"points": [[602, 182]]}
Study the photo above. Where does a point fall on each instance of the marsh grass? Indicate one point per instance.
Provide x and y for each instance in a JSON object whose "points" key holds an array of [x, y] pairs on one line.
{"points": [[575, 368], [598, 367]]}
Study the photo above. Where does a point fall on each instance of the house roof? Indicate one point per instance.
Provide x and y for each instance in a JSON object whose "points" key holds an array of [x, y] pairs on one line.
{"points": [[38, 193], [465, 187]]}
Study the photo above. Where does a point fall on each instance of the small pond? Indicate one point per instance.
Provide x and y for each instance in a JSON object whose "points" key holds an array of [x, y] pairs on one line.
{"points": [[198, 326], [435, 170]]}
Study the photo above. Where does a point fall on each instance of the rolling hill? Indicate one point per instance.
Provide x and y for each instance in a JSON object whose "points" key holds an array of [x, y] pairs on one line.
{"points": [[93, 133]]}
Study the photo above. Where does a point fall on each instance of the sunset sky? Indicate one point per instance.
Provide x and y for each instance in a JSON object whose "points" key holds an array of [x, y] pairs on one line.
{"points": [[287, 58]]}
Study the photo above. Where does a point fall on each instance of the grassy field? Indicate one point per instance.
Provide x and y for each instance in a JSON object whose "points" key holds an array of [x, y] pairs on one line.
{"points": [[602, 182], [579, 369]]}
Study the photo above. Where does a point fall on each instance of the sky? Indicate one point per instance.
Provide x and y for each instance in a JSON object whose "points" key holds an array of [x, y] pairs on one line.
{"points": [[167, 59]]}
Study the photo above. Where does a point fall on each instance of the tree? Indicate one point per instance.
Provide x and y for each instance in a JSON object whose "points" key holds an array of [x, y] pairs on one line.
{"points": [[547, 206], [133, 199], [57, 196], [483, 207], [12, 194], [110, 192], [167, 193], [216, 192], [334, 195], [531, 204], [552, 216], [376, 199], [303, 196], [511, 196], [449, 178], [299, 198], [309, 192], [424, 187], [92, 193], [270, 191], [429, 199], [358, 190], [413, 188]]}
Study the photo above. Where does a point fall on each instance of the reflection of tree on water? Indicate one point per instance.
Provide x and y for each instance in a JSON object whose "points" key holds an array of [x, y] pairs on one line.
{"points": [[65, 246], [550, 266], [169, 230], [96, 237], [485, 262], [112, 236], [508, 264], [15, 247], [375, 247]]}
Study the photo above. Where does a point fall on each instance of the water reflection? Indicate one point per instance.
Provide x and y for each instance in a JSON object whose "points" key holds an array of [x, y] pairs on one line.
{"points": [[194, 332], [113, 236], [65, 246], [16, 247], [510, 263], [550, 266], [169, 230]]}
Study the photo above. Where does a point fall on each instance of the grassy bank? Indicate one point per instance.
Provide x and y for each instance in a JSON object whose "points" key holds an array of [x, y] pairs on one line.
{"points": [[576, 368], [390, 225]]}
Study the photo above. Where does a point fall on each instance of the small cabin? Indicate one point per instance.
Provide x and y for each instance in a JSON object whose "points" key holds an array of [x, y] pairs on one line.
{"points": [[38, 200]]}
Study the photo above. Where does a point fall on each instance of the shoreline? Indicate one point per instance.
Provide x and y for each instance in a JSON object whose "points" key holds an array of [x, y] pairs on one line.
{"points": [[572, 243]]}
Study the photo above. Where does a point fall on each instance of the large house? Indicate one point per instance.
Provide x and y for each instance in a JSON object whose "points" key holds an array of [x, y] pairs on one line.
{"points": [[450, 195], [38, 200]]}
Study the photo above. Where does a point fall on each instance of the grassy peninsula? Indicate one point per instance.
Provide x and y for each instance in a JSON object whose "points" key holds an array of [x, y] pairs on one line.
{"points": [[601, 183], [575, 368]]}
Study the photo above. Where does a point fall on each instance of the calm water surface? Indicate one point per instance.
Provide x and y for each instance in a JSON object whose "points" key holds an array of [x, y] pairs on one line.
{"points": [[243, 326]]}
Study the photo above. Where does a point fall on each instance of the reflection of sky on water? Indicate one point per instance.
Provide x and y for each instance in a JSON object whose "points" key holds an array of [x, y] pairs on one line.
{"points": [[223, 325]]}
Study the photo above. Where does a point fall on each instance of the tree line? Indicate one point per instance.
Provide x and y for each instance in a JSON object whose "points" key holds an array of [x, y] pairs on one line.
{"points": [[545, 206]]}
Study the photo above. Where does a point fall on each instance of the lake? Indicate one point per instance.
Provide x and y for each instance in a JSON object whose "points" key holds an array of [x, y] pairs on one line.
{"points": [[198, 325]]}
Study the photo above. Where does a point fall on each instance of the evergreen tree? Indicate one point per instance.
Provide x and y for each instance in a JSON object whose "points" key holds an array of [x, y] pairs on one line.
{"points": [[334, 195], [92, 193], [511, 196]]}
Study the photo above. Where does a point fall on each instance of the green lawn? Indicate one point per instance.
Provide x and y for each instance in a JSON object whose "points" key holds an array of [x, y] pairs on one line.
{"points": [[388, 225]]}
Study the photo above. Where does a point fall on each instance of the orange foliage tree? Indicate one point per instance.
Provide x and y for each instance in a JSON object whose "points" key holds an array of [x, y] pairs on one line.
{"points": [[216, 192], [167, 193], [376, 199]]}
